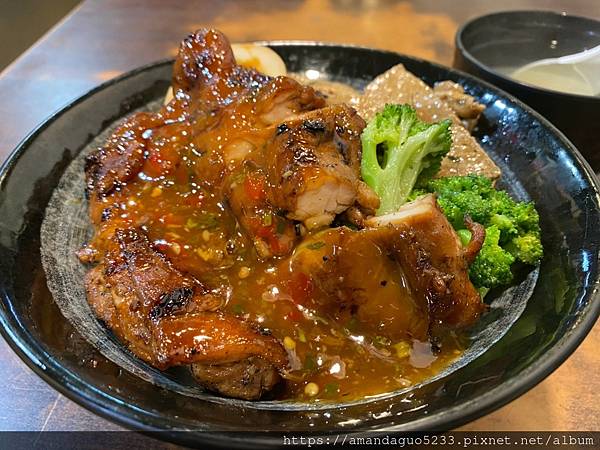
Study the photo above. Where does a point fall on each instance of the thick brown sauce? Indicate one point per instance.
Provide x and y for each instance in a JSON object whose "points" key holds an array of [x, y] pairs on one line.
{"points": [[200, 236]]}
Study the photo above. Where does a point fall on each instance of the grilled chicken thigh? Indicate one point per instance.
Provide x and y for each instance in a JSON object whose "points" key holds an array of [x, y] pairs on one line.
{"points": [[355, 278], [402, 275], [168, 319], [313, 164], [306, 170], [435, 263], [134, 289], [207, 78]]}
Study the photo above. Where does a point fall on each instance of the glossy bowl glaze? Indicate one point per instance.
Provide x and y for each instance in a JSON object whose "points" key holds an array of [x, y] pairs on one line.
{"points": [[533, 156], [490, 46]]}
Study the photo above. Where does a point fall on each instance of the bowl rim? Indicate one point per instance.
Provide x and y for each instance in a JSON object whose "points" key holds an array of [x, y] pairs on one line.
{"points": [[103, 404], [495, 75]]}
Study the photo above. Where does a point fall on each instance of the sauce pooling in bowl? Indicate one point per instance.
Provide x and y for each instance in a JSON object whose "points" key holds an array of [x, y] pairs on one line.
{"points": [[338, 360]]}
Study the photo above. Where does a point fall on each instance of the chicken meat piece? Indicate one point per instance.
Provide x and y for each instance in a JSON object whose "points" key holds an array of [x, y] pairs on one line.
{"points": [[207, 78], [434, 261], [167, 318], [313, 165], [355, 280], [402, 276], [238, 142], [248, 198], [308, 171], [285, 98], [239, 134], [120, 159], [463, 105], [205, 74], [398, 85], [249, 379]]}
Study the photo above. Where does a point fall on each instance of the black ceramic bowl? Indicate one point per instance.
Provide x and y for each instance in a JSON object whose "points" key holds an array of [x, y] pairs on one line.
{"points": [[535, 158], [490, 46]]}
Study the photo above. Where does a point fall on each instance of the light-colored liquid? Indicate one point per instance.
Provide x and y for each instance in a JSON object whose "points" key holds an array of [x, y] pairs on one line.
{"points": [[565, 80]]}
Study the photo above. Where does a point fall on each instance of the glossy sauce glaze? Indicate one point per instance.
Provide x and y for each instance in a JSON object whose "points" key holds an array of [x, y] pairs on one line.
{"points": [[332, 355]]}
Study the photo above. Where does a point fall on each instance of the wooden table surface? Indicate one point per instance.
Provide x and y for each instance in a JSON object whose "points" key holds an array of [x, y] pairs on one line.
{"points": [[103, 38]]}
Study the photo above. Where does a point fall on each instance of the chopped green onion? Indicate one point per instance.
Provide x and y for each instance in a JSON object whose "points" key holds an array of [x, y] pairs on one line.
{"points": [[191, 223], [238, 309], [316, 245], [309, 363], [352, 324], [238, 177], [208, 221], [280, 226], [382, 341], [301, 335], [331, 388], [267, 220]]}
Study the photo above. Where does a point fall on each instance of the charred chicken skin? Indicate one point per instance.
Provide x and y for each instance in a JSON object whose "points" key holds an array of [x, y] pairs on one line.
{"points": [[168, 319], [416, 272], [214, 231]]}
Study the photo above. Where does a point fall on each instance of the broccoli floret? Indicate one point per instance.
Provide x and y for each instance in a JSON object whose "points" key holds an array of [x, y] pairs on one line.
{"points": [[475, 196], [514, 226], [458, 196], [416, 192], [524, 216], [397, 150], [526, 248], [506, 225], [491, 268]]}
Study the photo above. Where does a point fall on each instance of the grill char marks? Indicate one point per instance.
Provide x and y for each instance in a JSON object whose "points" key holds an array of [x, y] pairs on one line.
{"points": [[121, 158], [170, 319], [205, 69], [170, 302], [315, 165]]}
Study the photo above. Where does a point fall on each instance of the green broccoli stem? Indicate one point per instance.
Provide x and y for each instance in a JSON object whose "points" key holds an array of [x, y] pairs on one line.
{"points": [[397, 148]]}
